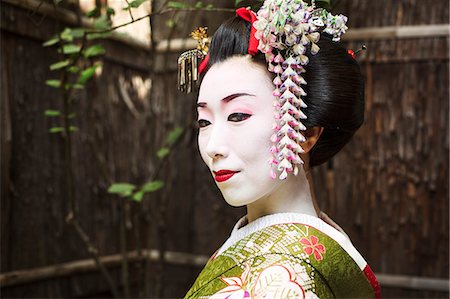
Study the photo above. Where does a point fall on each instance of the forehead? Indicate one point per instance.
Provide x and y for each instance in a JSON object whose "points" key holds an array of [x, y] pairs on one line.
{"points": [[234, 75]]}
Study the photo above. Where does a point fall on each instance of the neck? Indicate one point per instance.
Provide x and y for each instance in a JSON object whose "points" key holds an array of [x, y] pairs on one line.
{"points": [[296, 195]]}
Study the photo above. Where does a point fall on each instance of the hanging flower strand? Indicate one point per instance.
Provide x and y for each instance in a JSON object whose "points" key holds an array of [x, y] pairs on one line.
{"points": [[286, 30]]}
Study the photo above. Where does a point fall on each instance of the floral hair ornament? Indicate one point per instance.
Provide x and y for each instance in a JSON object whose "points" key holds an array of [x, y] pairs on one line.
{"points": [[286, 31], [188, 70]]}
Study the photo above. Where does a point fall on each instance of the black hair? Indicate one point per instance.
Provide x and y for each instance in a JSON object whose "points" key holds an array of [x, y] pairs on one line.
{"points": [[335, 86]]}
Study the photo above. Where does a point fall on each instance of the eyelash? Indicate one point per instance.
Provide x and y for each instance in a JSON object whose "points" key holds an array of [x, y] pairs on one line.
{"points": [[241, 117]]}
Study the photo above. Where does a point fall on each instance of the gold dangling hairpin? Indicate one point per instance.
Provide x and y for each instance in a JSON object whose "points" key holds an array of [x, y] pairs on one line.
{"points": [[188, 61]]}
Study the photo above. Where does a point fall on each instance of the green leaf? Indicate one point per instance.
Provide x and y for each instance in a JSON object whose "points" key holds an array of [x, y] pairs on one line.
{"points": [[53, 83], [73, 129], [66, 35], [71, 115], [52, 113], [162, 152], [101, 23], [77, 86], [134, 4], [78, 32], [56, 130], [71, 49], [59, 65], [94, 51], [87, 74], [236, 2], [122, 189], [177, 5], [51, 42], [173, 135], [138, 196], [198, 4], [170, 23], [152, 186], [73, 69], [93, 13], [110, 11]]}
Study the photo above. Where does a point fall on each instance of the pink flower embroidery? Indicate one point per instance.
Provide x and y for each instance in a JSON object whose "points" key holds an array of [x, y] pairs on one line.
{"points": [[312, 245], [275, 282]]}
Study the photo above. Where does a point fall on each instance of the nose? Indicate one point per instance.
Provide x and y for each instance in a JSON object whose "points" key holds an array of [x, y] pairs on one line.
{"points": [[217, 147]]}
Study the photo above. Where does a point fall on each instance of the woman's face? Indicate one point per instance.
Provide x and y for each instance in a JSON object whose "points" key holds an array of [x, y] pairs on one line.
{"points": [[235, 116]]}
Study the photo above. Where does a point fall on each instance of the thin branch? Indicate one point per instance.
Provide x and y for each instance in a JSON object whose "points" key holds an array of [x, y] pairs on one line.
{"points": [[72, 214], [37, 24], [164, 11], [129, 10], [212, 9], [123, 248], [145, 263], [160, 266], [94, 253]]}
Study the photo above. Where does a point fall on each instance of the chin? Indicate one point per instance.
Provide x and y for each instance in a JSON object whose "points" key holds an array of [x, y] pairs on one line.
{"points": [[237, 200], [235, 203]]}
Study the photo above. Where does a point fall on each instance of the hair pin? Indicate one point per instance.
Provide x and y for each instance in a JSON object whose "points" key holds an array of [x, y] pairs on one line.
{"points": [[353, 53], [188, 73]]}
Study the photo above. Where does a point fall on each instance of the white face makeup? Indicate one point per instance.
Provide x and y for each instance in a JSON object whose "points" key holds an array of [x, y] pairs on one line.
{"points": [[236, 114]]}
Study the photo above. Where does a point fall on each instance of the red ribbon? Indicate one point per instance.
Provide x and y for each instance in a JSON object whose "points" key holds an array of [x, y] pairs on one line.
{"points": [[203, 64], [249, 16]]}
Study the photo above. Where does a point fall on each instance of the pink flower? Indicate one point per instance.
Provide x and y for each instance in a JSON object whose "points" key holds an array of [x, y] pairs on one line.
{"points": [[311, 246], [276, 281]]}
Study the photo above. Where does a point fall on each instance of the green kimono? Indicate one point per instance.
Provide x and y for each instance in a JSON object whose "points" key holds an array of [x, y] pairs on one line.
{"points": [[287, 255]]}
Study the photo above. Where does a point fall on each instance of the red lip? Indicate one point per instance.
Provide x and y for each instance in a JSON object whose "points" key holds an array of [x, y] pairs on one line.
{"points": [[223, 175]]}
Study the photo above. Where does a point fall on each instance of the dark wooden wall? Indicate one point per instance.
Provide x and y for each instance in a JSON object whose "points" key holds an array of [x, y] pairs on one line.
{"points": [[388, 188]]}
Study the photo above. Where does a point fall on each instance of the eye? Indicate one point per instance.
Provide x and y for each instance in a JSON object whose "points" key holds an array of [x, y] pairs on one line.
{"points": [[203, 123], [237, 117]]}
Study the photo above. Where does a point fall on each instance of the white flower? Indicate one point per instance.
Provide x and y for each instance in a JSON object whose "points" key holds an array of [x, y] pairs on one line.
{"points": [[336, 26], [314, 49], [314, 37], [288, 72], [304, 59], [260, 24], [317, 21], [290, 60], [299, 49], [291, 39]]}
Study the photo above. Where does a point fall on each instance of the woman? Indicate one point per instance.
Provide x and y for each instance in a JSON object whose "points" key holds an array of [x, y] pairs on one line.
{"points": [[279, 95]]}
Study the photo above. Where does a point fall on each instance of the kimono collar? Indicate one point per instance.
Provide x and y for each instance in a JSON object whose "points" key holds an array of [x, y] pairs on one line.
{"points": [[243, 229]]}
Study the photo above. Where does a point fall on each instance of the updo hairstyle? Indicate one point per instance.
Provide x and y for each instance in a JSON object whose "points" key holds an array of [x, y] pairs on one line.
{"points": [[335, 86]]}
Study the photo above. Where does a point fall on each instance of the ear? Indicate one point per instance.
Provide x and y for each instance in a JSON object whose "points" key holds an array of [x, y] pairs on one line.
{"points": [[312, 136]]}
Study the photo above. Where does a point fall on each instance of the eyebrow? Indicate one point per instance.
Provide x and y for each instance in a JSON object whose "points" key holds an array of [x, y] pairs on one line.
{"points": [[227, 99]]}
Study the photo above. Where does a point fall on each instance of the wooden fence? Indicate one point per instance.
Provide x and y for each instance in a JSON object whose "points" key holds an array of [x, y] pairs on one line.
{"points": [[388, 188]]}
